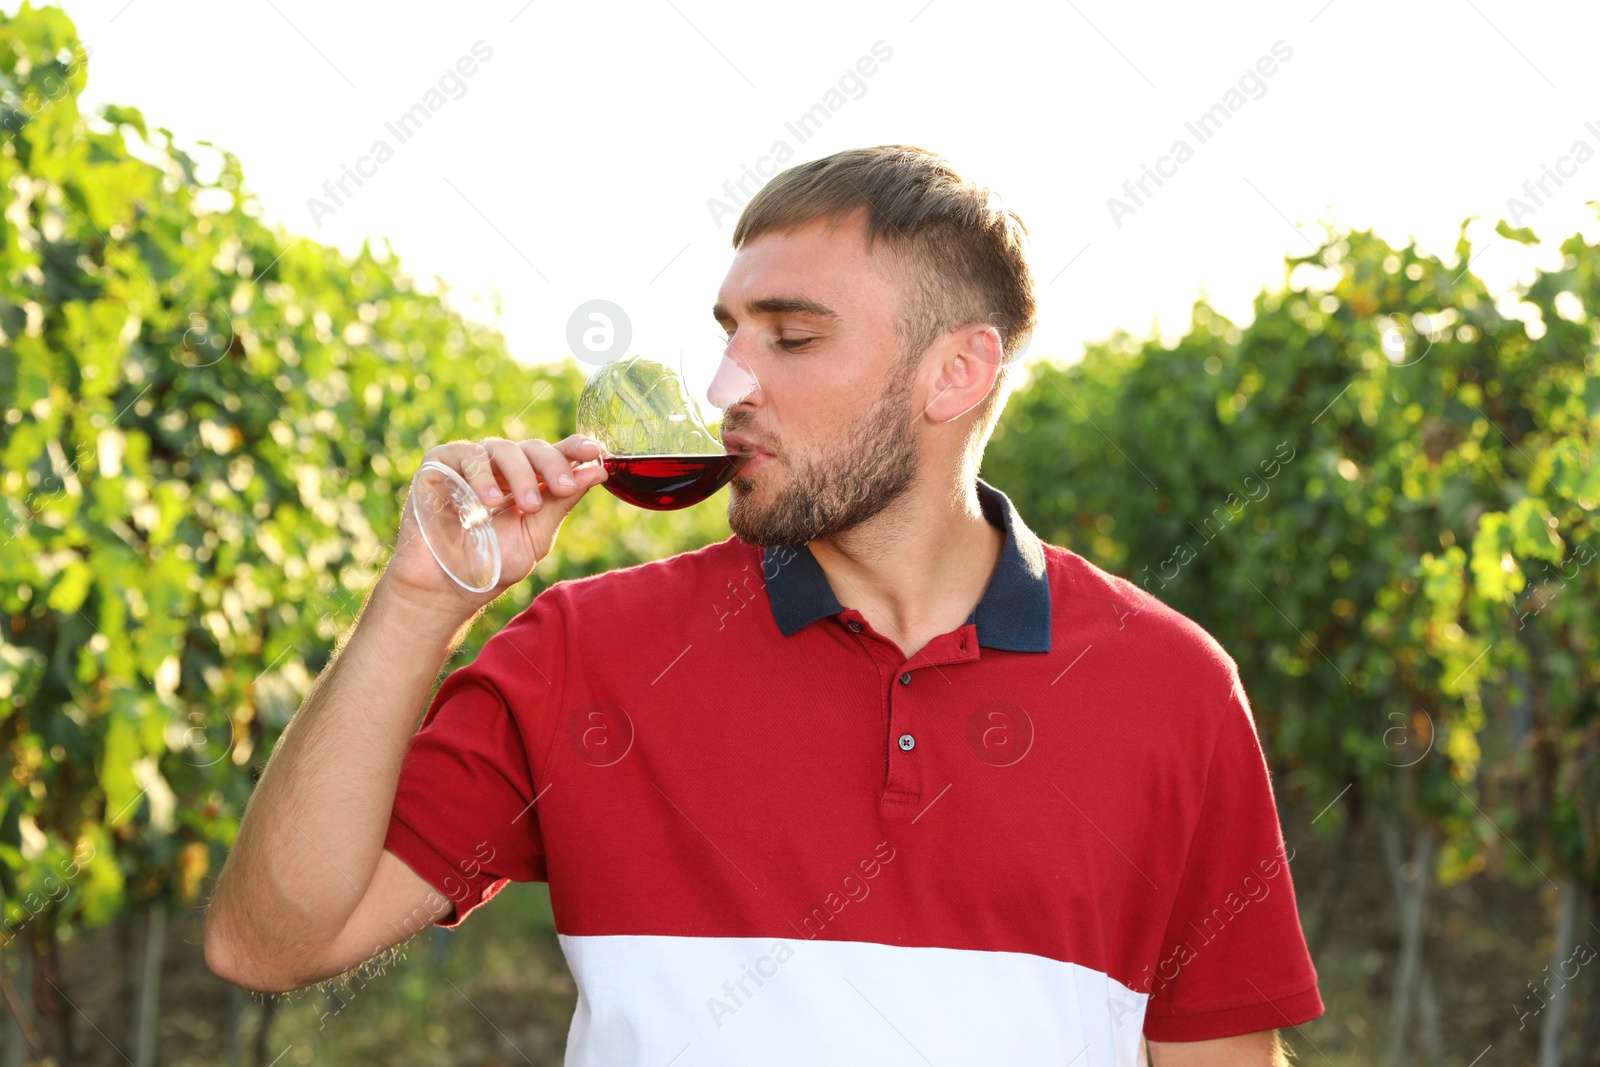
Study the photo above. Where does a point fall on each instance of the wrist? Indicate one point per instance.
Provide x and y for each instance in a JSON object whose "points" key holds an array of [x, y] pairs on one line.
{"points": [[432, 620]]}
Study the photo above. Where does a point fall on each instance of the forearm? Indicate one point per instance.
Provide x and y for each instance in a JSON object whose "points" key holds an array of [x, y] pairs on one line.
{"points": [[314, 828], [1261, 1049]]}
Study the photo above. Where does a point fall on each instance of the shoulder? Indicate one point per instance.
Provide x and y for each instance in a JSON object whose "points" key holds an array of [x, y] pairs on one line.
{"points": [[659, 589], [579, 624], [1151, 635], [686, 570]]}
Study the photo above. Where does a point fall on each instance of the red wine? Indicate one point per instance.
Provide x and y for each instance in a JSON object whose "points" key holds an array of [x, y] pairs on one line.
{"points": [[667, 483]]}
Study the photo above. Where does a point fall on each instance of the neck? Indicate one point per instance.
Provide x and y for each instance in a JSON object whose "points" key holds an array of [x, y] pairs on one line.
{"points": [[918, 568]]}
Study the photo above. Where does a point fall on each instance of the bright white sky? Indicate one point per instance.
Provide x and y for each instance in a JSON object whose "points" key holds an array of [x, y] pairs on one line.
{"points": [[579, 161]]}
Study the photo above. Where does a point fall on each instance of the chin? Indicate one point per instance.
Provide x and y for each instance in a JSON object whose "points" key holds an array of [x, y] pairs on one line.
{"points": [[745, 482], [748, 523]]}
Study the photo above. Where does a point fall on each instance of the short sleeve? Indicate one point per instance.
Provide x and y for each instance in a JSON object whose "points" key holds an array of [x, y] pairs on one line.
{"points": [[1233, 956], [464, 817]]}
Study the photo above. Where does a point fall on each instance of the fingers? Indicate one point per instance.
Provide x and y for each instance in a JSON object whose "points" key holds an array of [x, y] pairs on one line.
{"points": [[555, 463], [475, 461], [517, 472], [494, 465]]}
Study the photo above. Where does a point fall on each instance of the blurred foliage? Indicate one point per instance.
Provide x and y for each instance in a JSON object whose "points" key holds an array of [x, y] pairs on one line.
{"points": [[209, 430], [1379, 496]]}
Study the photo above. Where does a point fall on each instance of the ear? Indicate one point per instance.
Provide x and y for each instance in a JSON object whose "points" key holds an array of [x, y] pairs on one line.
{"points": [[964, 366]]}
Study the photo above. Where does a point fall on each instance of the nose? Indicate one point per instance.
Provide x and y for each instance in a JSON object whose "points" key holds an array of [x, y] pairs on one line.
{"points": [[733, 383]]}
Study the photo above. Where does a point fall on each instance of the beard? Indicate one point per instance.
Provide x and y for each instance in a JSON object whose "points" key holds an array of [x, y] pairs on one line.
{"points": [[838, 490]]}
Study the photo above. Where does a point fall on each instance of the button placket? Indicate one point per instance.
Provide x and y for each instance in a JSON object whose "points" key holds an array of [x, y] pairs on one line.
{"points": [[905, 777], [906, 763], [905, 740]]}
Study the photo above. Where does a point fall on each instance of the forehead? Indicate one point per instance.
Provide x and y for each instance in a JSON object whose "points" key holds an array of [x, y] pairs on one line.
{"points": [[821, 261]]}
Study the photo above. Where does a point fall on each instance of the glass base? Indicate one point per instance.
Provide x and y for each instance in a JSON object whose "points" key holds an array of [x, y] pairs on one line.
{"points": [[456, 527]]}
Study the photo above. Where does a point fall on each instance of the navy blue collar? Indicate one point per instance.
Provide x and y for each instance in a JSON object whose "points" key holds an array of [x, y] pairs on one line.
{"points": [[1014, 613]]}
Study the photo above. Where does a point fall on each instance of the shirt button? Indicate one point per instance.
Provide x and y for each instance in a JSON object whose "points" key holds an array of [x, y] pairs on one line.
{"points": [[905, 679], [855, 627], [907, 742]]}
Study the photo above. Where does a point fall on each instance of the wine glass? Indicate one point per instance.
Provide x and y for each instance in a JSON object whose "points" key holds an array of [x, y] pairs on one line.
{"points": [[657, 450]]}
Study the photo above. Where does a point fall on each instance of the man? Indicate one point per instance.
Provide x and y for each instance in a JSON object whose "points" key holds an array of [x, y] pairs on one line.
{"points": [[880, 779]]}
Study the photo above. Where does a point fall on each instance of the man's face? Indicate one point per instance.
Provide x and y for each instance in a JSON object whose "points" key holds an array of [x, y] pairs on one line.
{"points": [[810, 315]]}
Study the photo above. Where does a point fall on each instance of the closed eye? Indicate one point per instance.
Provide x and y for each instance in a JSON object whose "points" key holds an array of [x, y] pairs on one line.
{"points": [[789, 344]]}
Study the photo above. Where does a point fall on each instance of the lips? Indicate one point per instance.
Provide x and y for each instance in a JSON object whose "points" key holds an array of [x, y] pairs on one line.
{"points": [[737, 442]]}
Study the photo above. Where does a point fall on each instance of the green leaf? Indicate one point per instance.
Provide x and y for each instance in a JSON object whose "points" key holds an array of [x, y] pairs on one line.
{"points": [[71, 588], [1575, 474], [102, 882], [1494, 571], [1521, 234], [116, 769], [1531, 527], [132, 116]]}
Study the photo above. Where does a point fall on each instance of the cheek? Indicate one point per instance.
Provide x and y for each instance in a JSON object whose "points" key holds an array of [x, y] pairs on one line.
{"points": [[815, 406], [808, 411]]}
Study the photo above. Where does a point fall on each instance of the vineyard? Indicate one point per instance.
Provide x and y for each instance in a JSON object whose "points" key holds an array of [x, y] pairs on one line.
{"points": [[1380, 495]]}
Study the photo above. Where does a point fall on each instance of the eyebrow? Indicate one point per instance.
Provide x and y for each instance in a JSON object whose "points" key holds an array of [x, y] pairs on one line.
{"points": [[777, 305]]}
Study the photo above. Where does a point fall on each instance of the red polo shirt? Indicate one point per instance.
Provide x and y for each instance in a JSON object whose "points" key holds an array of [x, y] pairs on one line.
{"points": [[769, 834]]}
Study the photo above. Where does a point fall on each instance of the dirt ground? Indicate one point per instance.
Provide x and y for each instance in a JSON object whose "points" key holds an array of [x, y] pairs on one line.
{"points": [[497, 991]]}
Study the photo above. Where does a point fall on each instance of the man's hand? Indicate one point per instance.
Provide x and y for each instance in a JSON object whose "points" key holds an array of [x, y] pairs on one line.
{"points": [[500, 472], [1263, 1049]]}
